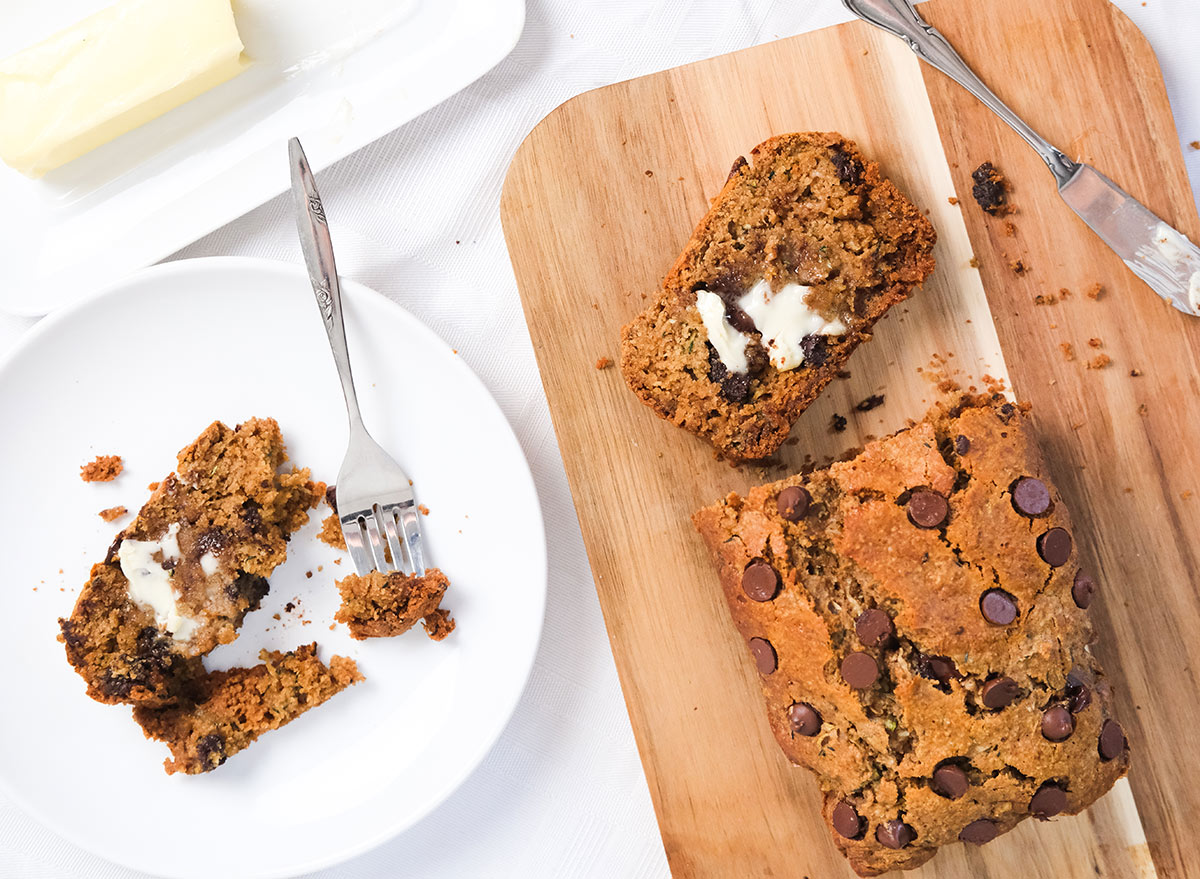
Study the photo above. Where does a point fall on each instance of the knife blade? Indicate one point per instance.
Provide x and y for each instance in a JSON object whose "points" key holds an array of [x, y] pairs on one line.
{"points": [[1154, 250]]}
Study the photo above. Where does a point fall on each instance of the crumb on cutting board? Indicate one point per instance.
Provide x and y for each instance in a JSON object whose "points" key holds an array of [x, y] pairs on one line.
{"points": [[1095, 291], [603, 362]]}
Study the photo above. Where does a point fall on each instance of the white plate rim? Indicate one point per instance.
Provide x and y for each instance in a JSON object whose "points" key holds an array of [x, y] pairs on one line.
{"points": [[167, 270]]}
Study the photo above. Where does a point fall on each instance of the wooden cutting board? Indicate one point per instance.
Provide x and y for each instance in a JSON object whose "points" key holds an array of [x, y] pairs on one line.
{"points": [[599, 200]]}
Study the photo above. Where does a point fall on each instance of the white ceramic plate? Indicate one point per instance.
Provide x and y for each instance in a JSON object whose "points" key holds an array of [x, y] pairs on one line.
{"points": [[337, 74], [139, 371]]}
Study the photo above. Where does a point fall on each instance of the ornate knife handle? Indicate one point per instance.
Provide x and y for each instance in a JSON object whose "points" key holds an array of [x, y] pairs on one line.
{"points": [[900, 18]]}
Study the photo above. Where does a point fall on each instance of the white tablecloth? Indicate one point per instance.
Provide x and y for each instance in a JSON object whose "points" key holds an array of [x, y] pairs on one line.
{"points": [[416, 216]]}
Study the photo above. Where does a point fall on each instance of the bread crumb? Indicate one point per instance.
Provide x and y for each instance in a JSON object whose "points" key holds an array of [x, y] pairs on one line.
{"points": [[1067, 350], [1096, 291], [113, 513], [1018, 267], [1045, 299], [105, 468], [1010, 229], [1064, 293], [870, 403], [153, 486], [1185, 495], [1142, 410], [308, 574], [332, 626], [603, 363], [1195, 144], [424, 509], [1099, 361], [1095, 343], [331, 532], [952, 200], [1134, 373], [974, 263], [837, 424]]}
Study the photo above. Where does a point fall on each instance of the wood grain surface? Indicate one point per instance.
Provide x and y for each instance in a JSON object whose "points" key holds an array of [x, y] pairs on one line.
{"points": [[599, 200]]}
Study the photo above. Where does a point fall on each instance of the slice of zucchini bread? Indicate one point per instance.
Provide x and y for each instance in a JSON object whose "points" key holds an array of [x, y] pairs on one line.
{"points": [[805, 247], [919, 620]]}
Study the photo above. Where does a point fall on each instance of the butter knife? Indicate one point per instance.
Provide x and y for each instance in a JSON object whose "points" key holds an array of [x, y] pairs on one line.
{"points": [[1156, 252]]}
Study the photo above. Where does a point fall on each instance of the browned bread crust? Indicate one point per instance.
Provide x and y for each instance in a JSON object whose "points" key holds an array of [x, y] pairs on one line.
{"points": [[235, 707], [808, 209], [921, 641]]}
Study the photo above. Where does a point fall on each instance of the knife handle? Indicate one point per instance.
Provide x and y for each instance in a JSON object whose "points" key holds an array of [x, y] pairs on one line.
{"points": [[900, 18]]}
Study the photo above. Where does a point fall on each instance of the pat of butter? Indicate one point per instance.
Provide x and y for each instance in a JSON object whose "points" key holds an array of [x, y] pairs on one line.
{"points": [[730, 344], [784, 319], [150, 583], [110, 73]]}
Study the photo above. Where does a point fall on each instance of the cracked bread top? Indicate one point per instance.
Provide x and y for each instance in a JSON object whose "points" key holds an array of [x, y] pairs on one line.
{"points": [[918, 619], [809, 217], [181, 577]]}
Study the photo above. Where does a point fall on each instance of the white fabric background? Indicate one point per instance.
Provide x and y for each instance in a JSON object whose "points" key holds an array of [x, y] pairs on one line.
{"points": [[416, 216]]}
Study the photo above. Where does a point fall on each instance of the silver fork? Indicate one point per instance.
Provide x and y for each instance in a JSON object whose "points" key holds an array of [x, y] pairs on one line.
{"points": [[375, 501]]}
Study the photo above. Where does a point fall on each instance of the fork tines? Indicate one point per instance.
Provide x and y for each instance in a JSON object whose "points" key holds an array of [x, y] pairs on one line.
{"points": [[385, 537]]}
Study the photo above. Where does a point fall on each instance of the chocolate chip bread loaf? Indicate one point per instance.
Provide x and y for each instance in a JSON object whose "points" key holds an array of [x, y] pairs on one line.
{"points": [[918, 618], [805, 247]]}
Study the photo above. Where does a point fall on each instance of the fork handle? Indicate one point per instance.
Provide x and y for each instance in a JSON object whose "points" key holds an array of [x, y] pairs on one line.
{"points": [[899, 17], [322, 271]]}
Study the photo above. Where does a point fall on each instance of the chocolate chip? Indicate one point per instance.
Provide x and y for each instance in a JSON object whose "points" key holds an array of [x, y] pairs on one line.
{"points": [[760, 581], [989, 188], [805, 720], [849, 169], [793, 502], [213, 540], [1112, 740], [1030, 497], [927, 509], [937, 668], [331, 497], [1055, 547], [838, 423], [962, 445], [736, 387], [111, 555], [1057, 724], [874, 628], [980, 831], [847, 821], [738, 164], [1079, 696], [252, 517], [1083, 590], [860, 670], [1049, 801], [251, 587], [998, 607], [895, 834], [815, 349], [210, 751], [764, 655], [999, 693], [950, 781]]}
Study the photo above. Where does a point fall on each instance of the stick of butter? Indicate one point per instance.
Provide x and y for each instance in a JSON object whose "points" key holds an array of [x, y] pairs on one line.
{"points": [[110, 73]]}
